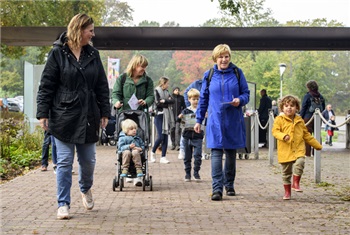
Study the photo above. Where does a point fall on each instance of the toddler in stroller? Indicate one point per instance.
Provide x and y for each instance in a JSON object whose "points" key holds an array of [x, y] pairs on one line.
{"points": [[132, 136], [130, 146]]}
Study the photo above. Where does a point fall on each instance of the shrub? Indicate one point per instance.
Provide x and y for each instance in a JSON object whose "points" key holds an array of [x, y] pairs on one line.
{"points": [[20, 150]]}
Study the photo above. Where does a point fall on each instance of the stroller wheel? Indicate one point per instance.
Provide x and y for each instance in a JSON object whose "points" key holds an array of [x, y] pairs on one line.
{"points": [[246, 156], [144, 184], [240, 156], [121, 184], [114, 184], [112, 142], [150, 184]]}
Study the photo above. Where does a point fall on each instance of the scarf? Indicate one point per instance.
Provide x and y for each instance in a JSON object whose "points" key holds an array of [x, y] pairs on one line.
{"points": [[168, 116]]}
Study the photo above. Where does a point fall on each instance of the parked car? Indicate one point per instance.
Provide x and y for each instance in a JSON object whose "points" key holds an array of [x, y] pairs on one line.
{"points": [[17, 102], [14, 106]]}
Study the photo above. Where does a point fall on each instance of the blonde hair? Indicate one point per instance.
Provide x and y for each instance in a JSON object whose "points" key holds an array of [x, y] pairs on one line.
{"points": [[289, 99], [162, 81], [128, 124], [75, 27], [220, 50], [135, 61], [193, 93]]}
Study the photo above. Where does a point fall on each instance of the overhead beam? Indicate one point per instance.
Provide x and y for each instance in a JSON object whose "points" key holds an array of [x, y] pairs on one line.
{"points": [[192, 38]]}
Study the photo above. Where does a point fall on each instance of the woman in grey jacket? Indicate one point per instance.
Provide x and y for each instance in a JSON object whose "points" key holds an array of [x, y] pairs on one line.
{"points": [[72, 103]]}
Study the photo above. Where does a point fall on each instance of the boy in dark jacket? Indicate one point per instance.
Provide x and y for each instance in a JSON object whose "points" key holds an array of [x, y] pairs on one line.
{"points": [[178, 106], [131, 146], [192, 140]]}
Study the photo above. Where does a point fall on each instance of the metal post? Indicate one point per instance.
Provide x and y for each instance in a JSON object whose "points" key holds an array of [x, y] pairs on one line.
{"points": [[317, 154], [256, 136], [281, 87], [271, 139]]}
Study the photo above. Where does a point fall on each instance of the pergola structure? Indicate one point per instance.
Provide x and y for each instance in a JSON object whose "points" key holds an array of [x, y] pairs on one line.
{"points": [[192, 38]]}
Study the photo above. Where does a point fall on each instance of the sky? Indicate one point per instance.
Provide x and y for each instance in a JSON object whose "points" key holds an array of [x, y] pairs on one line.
{"points": [[195, 12]]}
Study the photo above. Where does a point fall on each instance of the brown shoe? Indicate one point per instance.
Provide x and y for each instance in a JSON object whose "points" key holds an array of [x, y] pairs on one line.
{"points": [[43, 168]]}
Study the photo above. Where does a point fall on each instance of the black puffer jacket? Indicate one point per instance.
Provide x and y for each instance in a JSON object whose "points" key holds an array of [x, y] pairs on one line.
{"points": [[73, 95]]}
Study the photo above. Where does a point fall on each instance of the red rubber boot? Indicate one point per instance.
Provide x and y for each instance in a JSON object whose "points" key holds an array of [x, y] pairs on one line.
{"points": [[295, 184], [287, 191]]}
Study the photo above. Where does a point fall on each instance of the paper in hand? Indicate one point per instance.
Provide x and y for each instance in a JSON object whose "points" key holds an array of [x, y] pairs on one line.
{"points": [[133, 102]]}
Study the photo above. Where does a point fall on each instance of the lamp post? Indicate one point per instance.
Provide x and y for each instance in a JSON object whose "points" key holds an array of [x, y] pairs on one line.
{"points": [[282, 69]]}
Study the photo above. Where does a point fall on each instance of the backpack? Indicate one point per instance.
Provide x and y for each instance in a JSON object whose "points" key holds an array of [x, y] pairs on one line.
{"points": [[316, 103], [211, 72]]}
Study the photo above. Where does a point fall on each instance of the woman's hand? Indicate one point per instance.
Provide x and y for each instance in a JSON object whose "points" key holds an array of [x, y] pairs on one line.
{"points": [[142, 102], [197, 128], [104, 122], [44, 123], [118, 104], [162, 101], [235, 102]]}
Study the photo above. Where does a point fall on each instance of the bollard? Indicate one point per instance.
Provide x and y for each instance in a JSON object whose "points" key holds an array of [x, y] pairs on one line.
{"points": [[347, 131], [317, 153], [256, 136], [271, 139]]}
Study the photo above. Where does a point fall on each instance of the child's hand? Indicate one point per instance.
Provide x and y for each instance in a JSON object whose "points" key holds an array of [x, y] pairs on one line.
{"points": [[286, 138], [180, 115], [132, 145]]}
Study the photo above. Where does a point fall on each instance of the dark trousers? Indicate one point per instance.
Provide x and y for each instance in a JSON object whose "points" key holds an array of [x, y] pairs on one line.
{"points": [[161, 138], [175, 134], [45, 149], [263, 132]]}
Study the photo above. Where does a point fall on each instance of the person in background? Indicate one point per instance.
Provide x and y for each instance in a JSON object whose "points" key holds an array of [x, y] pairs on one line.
{"points": [[5, 104], [178, 106], [291, 134], [223, 99], [328, 113], [196, 85], [130, 146], [263, 110], [45, 151], [192, 141], [136, 82], [164, 119], [305, 113], [72, 104], [274, 108]]}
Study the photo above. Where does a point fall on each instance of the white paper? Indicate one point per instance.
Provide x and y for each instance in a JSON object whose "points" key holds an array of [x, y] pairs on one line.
{"points": [[133, 102]]}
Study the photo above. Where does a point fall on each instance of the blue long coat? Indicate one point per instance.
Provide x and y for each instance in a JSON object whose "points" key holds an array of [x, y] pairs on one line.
{"points": [[225, 125]]}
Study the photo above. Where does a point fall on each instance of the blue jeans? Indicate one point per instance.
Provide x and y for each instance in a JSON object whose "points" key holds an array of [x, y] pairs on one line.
{"points": [[45, 149], [193, 147], [161, 138], [53, 150], [223, 176], [65, 158]]}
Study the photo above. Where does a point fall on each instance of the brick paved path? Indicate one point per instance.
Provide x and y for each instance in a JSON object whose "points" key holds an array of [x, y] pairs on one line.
{"points": [[28, 204]]}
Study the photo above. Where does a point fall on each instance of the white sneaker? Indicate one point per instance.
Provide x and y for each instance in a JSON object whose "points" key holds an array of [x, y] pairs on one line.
{"points": [[153, 157], [138, 182], [181, 155], [129, 180], [163, 160], [63, 212], [88, 201]]}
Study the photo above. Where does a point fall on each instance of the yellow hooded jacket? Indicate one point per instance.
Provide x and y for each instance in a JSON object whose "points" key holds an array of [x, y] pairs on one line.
{"points": [[289, 151]]}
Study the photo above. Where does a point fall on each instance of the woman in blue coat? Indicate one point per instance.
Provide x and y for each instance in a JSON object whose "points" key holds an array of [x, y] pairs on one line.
{"points": [[222, 98]]}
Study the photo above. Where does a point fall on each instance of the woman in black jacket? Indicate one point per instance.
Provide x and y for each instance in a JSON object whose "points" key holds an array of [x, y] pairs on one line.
{"points": [[72, 103], [306, 112]]}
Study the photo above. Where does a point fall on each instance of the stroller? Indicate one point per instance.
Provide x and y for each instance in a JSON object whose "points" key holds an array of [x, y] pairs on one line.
{"points": [[107, 134], [141, 119]]}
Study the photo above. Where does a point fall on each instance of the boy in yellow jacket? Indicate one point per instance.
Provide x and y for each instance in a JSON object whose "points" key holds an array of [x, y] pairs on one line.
{"points": [[291, 133]]}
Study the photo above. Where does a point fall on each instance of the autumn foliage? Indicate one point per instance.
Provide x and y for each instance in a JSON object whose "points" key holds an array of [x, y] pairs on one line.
{"points": [[192, 64]]}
